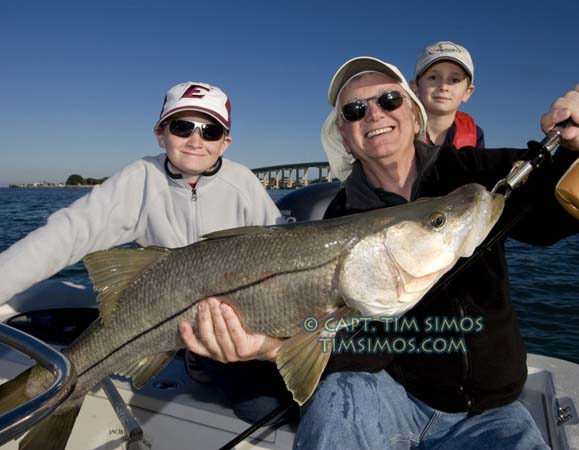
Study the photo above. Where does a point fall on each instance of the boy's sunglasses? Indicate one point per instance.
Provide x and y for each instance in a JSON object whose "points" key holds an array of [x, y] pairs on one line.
{"points": [[388, 101], [185, 128]]}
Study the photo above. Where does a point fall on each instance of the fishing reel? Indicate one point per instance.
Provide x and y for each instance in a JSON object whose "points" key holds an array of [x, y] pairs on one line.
{"points": [[567, 189]]}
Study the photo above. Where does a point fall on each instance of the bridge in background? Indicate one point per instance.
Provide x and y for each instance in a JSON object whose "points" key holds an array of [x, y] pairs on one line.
{"points": [[290, 176]]}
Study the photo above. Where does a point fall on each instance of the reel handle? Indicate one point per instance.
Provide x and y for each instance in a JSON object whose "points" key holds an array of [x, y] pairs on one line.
{"points": [[553, 138], [536, 155]]}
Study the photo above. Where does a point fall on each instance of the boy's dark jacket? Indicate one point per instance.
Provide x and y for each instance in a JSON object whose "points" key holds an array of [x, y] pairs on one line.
{"points": [[493, 370]]}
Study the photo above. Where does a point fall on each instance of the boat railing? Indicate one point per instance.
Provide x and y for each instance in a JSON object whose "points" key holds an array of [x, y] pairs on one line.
{"points": [[20, 419]]}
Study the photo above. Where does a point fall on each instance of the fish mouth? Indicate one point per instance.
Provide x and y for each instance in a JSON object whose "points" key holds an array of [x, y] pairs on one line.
{"points": [[487, 215], [379, 131]]}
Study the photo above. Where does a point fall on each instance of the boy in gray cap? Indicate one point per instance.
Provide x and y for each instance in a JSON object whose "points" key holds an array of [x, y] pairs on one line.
{"points": [[443, 80]]}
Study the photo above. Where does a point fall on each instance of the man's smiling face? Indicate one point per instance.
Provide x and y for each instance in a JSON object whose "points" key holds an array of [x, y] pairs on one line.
{"points": [[380, 134]]}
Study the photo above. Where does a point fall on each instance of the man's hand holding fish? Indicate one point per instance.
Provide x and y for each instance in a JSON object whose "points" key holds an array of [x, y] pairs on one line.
{"points": [[223, 338]]}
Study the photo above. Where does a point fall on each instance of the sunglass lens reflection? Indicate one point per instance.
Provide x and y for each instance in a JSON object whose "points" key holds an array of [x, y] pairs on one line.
{"points": [[181, 128], [354, 111], [212, 132], [390, 101]]}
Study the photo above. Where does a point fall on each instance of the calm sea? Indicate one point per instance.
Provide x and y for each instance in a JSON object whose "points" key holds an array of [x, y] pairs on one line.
{"points": [[544, 280]]}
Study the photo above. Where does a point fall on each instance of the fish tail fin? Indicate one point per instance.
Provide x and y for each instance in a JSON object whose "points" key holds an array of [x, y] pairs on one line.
{"points": [[13, 392], [301, 361], [52, 433]]}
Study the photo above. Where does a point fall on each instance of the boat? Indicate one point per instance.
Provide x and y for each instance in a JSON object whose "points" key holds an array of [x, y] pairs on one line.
{"points": [[174, 412]]}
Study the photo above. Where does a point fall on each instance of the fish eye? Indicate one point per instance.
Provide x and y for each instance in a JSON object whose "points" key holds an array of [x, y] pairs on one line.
{"points": [[437, 220]]}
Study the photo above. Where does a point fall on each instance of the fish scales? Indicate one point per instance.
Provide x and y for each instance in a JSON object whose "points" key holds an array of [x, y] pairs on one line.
{"points": [[273, 294], [291, 276], [379, 263]]}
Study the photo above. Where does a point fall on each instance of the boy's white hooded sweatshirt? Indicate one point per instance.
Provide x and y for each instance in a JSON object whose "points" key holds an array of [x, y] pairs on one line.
{"points": [[141, 204]]}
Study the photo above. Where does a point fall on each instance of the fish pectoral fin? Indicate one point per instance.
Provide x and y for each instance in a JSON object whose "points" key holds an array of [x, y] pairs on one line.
{"points": [[111, 271], [52, 433], [301, 362], [239, 231], [301, 359], [143, 370]]}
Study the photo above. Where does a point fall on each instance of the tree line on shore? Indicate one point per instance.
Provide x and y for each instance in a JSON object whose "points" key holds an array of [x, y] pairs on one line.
{"points": [[76, 180]]}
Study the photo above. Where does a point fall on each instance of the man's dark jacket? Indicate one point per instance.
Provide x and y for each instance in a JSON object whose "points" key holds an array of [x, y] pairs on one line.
{"points": [[493, 370]]}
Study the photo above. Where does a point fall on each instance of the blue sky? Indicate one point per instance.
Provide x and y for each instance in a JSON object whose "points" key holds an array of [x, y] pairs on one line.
{"points": [[82, 82]]}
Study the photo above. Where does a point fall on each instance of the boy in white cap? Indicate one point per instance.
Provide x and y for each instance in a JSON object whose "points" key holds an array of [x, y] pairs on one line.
{"points": [[169, 200], [443, 80]]}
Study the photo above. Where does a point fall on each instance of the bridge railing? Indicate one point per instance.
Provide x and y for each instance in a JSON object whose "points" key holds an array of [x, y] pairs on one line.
{"points": [[290, 176]]}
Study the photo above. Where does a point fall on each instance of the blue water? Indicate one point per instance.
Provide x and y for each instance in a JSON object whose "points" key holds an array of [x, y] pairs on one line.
{"points": [[544, 280]]}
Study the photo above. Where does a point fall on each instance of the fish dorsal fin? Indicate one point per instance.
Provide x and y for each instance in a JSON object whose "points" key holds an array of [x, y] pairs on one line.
{"points": [[239, 231], [111, 271], [143, 370], [302, 359]]}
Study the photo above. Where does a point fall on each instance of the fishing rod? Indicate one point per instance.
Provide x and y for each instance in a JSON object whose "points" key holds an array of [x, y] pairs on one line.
{"points": [[538, 153], [269, 419]]}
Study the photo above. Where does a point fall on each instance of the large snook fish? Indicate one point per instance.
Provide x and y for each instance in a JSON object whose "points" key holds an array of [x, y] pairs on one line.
{"points": [[378, 263]]}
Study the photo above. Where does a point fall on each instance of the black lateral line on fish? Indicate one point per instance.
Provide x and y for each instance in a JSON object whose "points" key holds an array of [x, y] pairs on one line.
{"points": [[218, 294]]}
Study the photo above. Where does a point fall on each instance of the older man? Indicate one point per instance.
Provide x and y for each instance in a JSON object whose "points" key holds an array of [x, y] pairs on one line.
{"points": [[452, 400], [373, 138]]}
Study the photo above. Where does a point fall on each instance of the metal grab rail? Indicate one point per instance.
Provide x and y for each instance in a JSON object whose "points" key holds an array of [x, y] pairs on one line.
{"points": [[19, 420]]}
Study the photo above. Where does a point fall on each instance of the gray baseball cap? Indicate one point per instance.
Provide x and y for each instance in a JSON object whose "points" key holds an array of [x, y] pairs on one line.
{"points": [[446, 51]]}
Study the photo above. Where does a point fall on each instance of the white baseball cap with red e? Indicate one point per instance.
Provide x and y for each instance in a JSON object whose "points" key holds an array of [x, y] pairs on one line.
{"points": [[201, 97]]}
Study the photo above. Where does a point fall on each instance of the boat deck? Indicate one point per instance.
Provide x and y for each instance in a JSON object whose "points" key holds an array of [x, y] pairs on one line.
{"points": [[176, 412]]}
